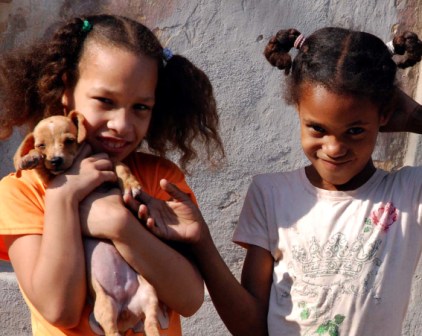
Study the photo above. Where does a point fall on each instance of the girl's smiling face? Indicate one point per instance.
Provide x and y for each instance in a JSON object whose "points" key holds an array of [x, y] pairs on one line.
{"points": [[338, 135], [116, 93]]}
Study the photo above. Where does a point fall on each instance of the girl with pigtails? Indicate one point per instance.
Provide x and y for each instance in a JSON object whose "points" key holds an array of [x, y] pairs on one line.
{"points": [[131, 91], [331, 247]]}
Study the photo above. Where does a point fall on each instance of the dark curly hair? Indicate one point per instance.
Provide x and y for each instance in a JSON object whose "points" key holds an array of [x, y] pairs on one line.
{"points": [[32, 85], [343, 61]]}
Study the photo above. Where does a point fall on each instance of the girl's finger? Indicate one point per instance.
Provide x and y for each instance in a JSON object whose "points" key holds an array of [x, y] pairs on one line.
{"points": [[130, 202], [150, 224], [143, 212], [143, 197], [104, 164], [173, 191], [107, 176]]}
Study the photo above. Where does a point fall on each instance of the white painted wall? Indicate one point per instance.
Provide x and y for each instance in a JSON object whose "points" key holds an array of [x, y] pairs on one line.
{"points": [[226, 38]]}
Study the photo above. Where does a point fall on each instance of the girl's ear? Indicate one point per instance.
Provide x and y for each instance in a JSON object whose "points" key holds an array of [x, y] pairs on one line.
{"points": [[386, 112], [385, 117], [67, 97]]}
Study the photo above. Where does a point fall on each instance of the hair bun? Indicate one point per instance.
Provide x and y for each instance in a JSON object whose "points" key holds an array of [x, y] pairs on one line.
{"points": [[278, 47], [408, 44]]}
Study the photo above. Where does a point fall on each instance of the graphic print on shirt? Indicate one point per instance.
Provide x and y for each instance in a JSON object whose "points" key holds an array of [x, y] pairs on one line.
{"points": [[326, 272]]}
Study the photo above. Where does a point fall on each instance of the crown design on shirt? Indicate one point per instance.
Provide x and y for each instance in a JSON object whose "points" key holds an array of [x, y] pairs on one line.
{"points": [[336, 256]]}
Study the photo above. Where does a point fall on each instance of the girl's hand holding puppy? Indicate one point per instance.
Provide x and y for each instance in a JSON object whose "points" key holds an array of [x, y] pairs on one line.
{"points": [[177, 219], [87, 173], [102, 214]]}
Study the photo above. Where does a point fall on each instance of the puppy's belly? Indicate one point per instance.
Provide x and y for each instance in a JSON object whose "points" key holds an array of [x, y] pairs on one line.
{"points": [[106, 265]]}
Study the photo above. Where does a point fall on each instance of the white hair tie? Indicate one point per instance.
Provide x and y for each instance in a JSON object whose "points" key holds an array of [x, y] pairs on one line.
{"points": [[390, 47]]}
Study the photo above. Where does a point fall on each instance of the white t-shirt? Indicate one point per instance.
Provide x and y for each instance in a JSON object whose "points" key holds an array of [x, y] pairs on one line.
{"points": [[343, 261]]}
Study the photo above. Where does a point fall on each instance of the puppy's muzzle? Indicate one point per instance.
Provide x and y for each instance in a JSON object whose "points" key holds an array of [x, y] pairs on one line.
{"points": [[55, 165]]}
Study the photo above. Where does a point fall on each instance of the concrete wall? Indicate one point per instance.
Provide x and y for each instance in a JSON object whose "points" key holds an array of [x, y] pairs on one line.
{"points": [[226, 38]]}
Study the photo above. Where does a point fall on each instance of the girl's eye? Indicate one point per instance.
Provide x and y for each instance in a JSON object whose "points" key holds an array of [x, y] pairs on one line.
{"points": [[105, 101], [355, 130], [317, 128], [142, 107]]}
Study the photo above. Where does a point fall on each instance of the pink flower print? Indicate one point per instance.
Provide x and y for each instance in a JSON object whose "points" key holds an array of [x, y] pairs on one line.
{"points": [[384, 216]]}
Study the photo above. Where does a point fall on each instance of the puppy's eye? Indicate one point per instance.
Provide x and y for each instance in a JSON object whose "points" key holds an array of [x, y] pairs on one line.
{"points": [[40, 146], [69, 141]]}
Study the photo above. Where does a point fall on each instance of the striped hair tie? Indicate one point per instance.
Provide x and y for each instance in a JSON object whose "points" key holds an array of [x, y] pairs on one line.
{"points": [[299, 41]]}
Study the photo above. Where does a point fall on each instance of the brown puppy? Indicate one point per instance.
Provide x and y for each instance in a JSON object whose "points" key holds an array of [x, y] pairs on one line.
{"points": [[123, 299], [53, 145]]}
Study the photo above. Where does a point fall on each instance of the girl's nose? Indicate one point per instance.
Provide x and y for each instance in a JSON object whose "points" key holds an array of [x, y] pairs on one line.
{"points": [[119, 121], [334, 148]]}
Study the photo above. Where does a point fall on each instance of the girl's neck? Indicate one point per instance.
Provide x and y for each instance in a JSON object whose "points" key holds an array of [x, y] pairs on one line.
{"points": [[354, 183]]}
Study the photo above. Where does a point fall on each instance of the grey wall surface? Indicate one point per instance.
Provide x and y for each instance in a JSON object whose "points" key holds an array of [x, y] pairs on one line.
{"points": [[226, 38]]}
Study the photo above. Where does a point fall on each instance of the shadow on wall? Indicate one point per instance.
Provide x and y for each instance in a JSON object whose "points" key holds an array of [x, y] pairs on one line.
{"points": [[5, 266]]}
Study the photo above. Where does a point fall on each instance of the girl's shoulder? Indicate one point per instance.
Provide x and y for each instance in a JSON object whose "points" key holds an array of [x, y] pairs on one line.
{"points": [[150, 162], [410, 174], [149, 169], [293, 176]]}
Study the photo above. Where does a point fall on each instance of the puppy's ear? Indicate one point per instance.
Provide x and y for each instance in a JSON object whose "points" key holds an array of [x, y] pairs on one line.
{"points": [[79, 120], [25, 147]]}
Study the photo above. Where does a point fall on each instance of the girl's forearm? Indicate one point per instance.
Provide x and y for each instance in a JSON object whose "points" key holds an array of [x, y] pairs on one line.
{"points": [[58, 282], [177, 282], [240, 311], [406, 115]]}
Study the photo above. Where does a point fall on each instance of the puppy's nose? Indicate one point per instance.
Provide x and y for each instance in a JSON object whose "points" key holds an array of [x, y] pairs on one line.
{"points": [[56, 161]]}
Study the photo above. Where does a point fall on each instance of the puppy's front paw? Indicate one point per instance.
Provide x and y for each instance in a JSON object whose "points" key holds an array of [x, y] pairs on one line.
{"points": [[133, 187], [30, 161], [127, 182]]}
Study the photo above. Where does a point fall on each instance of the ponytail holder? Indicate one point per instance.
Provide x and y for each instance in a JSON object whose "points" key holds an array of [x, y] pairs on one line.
{"points": [[167, 54], [299, 41], [390, 47], [86, 26]]}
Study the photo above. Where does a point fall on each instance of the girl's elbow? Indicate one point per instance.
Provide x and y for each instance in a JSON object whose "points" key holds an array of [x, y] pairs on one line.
{"points": [[62, 317], [66, 321], [195, 301]]}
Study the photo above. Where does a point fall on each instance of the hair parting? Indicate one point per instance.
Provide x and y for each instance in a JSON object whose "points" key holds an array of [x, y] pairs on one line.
{"points": [[343, 61]]}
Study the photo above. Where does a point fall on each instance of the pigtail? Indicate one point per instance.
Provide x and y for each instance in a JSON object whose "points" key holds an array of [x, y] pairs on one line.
{"points": [[185, 111], [277, 49], [61, 61], [410, 45], [31, 80]]}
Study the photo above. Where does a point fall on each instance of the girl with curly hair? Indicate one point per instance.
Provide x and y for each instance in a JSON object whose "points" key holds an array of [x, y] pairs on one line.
{"points": [[131, 91]]}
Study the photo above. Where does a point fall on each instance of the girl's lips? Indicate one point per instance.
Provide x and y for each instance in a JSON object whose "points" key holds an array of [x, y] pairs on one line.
{"points": [[112, 145], [334, 164]]}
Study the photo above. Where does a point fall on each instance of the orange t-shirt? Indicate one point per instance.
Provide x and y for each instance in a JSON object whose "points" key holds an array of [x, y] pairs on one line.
{"points": [[22, 213]]}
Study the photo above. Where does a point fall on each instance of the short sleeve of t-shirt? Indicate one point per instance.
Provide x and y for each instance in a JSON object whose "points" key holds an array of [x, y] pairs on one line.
{"points": [[150, 169], [21, 206], [253, 213]]}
